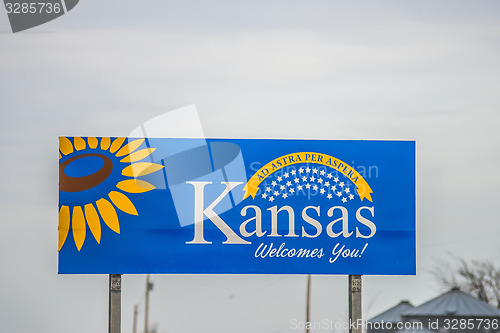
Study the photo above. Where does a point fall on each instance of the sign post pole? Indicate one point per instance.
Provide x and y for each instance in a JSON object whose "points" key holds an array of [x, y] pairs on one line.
{"points": [[115, 294], [308, 303], [134, 326], [355, 315], [149, 287]]}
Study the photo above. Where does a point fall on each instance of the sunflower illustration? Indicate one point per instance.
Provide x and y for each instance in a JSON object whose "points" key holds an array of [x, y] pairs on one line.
{"points": [[94, 175]]}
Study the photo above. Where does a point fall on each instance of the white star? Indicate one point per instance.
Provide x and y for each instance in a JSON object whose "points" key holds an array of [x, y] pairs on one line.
{"points": [[347, 190], [336, 179], [271, 199], [351, 196], [299, 188], [293, 172], [322, 172], [312, 178], [296, 180], [341, 184], [285, 195], [264, 195], [315, 170], [301, 170], [308, 185], [308, 169], [304, 179], [329, 196], [315, 187], [292, 190], [279, 178], [285, 175], [288, 183], [344, 200], [273, 183], [329, 176], [268, 189], [334, 187], [320, 180], [282, 187], [339, 194], [322, 191], [327, 184], [276, 193]]}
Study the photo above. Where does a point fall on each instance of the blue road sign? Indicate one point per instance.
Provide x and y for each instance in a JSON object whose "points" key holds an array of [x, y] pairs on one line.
{"points": [[236, 206]]}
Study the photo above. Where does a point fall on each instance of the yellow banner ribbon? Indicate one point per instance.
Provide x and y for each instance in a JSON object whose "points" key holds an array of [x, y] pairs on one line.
{"points": [[362, 187]]}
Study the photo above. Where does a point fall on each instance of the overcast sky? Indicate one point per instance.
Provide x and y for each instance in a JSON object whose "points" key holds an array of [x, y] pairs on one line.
{"points": [[393, 70]]}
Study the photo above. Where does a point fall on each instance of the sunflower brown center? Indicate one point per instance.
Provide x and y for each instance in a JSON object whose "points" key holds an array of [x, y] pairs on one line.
{"points": [[77, 184]]}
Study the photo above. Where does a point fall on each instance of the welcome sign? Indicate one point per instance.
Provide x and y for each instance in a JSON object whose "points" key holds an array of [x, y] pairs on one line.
{"points": [[236, 206]]}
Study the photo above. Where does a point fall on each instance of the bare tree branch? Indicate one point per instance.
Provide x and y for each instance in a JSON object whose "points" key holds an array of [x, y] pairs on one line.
{"points": [[479, 278]]}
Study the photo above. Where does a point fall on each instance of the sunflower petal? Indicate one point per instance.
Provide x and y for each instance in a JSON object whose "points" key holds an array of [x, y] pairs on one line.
{"points": [[80, 143], [92, 142], [129, 147], [122, 202], [105, 142], [135, 186], [79, 227], [65, 146], [138, 155], [116, 144], [140, 169], [93, 222], [64, 219], [108, 214]]}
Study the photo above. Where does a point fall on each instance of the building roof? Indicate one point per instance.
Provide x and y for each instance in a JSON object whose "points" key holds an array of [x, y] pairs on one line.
{"points": [[393, 315], [454, 303]]}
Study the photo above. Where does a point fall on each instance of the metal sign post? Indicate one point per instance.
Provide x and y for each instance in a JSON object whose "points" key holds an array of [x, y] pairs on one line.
{"points": [[355, 316], [134, 325], [308, 303], [115, 295], [149, 287]]}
